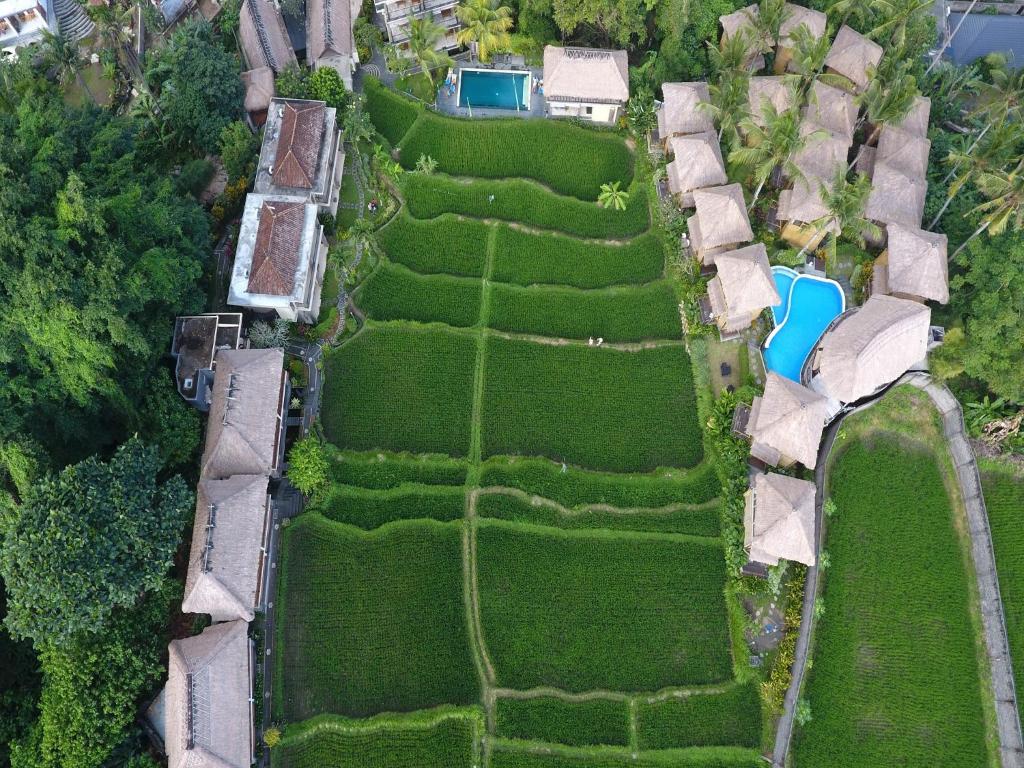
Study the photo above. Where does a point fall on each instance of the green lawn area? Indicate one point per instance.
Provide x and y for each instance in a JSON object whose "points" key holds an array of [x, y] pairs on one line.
{"points": [[372, 621], [580, 610], [90, 87], [349, 194], [895, 679]]}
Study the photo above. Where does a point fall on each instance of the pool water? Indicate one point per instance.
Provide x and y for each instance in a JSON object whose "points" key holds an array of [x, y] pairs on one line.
{"points": [[498, 90], [809, 304]]}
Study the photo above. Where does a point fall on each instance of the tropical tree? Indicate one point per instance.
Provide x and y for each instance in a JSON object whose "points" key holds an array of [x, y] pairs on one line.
{"points": [[727, 104], [114, 22], [999, 100], [772, 143], [844, 201], [732, 55], [809, 53], [424, 37], [426, 164], [641, 113], [307, 465], [858, 14], [1004, 207], [894, 18], [770, 16], [889, 96], [485, 23], [61, 56], [613, 197]]}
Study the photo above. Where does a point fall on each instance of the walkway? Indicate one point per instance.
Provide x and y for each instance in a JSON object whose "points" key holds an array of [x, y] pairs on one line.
{"points": [[1011, 744]]}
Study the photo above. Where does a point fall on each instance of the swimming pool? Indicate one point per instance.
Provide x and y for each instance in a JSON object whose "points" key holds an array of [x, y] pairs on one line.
{"points": [[809, 304], [497, 89]]}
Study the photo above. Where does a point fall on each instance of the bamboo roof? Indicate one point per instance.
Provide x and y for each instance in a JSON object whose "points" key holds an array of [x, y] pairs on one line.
{"points": [[786, 422], [722, 216], [744, 18], [895, 198], [585, 74], [697, 163], [779, 519], [853, 56], [774, 90], [833, 109], [680, 111], [746, 282], [917, 263], [797, 15], [904, 151]]}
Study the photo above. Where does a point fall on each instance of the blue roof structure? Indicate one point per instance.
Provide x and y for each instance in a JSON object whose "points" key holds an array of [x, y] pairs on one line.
{"points": [[982, 34]]}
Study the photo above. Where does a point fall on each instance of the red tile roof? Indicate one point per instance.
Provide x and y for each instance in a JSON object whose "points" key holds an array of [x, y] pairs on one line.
{"points": [[276, 253], [298, 146]]}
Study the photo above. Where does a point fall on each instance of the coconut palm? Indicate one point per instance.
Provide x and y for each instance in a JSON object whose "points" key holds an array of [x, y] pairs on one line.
{"points": [[424, 37], [61, 56], [845, 203], [727, 104], [485, 23], [894, 17], [640, 112], [772, 145], [1005, 205], [771, 15], [114, 22], [809, 54], [889, 96], [613, 197], [856, 13], [732, 55]]}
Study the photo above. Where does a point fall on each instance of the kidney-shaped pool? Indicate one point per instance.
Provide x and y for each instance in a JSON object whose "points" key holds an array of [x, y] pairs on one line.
{"points": [[809, 304]]}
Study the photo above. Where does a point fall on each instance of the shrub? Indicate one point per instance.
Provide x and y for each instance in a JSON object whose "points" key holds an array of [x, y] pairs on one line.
{"points": [[576, 723], [728, 718], [395, 292], [392, 115], [194, 176], [325, 85], [264, 335], [238, 150], [307, 466], [445, 244]]}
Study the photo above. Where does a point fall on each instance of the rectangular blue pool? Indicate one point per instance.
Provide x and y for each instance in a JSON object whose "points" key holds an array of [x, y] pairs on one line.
{"points": [[494, 89]]}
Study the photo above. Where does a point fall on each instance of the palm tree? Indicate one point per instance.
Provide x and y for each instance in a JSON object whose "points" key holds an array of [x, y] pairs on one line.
{"points": [[889, 96], [613, 197], [771, 15], [728, 104], [485, 23], [114, 22], [1005, 205], [809, 54], [61, 56], [640, 112], [856, 13], [772, 145], [732, 55], [895, 17], [424, 37], [845, 203]]}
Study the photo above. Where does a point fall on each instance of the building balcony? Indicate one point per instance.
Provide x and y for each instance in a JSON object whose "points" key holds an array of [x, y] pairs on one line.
{"points": [[404, 9]]}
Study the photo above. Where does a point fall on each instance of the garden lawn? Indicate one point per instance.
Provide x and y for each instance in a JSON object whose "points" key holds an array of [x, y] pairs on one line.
{"points": [[394, 292], [568, 159], [367, 508], [583, 610], [445, 737], [729, 718], [629, 313], [576, 723], [372, 622], [526, 258], [599, 408], [895, 679], [1004, 498], [401, 388], [445, 244], [429, 196]]}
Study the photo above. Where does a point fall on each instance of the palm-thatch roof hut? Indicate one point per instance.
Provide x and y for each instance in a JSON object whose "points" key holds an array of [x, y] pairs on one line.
{"points": [[895, 198], [244, 431], [853, 56], [207, 709], [916, 120], [744, 21], [904, 151], [913, 265], [773, 90], [259, 91], [681, 112], [786, 423], [225, 567], [743, 287], [720, 221], [697, 163], [816, 23], [833, 109], [778, 520], [870, 347], [588, 83]]}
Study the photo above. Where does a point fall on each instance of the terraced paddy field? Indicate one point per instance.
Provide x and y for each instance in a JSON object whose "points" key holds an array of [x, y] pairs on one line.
{"points": [[519, 560], [897, 664]]}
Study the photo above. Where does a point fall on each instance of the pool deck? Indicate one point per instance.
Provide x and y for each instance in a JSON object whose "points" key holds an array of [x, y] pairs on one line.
{"points": [[448, 105]]}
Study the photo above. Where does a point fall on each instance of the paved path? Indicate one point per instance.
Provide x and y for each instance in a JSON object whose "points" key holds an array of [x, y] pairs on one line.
{"points": [[1011, 745]]}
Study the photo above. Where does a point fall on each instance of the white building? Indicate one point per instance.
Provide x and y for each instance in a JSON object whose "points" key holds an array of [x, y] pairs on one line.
{"points": [[396, 15], [588, 83], [22, 22]]}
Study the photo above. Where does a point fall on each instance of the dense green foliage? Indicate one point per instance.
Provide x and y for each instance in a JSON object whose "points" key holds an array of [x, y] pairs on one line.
{"points": [[729, 718], [19, 686], [368, 508], [307, 465], [440, 738], [551, 756], [623, 313], [895, 676], [372, 621], [388, 470], [428, 370], [650, 615], [619, 411], [569, 160], [525, 258], [395, 292], [88, 541], [576, 723], [523, 201], [445, 244], [572, 487], [392, 114], [1004, 499], [696, 522]]}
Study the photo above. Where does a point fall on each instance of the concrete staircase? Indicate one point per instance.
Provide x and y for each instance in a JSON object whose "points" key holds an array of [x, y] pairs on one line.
{"points": [[72, 20]]}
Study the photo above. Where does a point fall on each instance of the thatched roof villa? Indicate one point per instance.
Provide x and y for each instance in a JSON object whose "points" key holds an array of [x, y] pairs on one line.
{"points": [[833, 109], [796, 16], [680, 111], [697, 163], [743, 21], [853, 56], [720, 223], [786, 423], [773, 90], [916, 120], [895, 198], [742, 289], [588, 83], [903, 151], [913, 266], [778, 520]]}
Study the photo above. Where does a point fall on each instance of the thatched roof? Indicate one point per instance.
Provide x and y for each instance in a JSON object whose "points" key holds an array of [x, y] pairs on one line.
{"points": [[916, 121], [778, 519], [243, 431], [744, 18], [697, 163], [797, 15], [224, 566], [906, 152], [786, 422], [680, 112], [263, 37], [259, 88], [585, 74], [822, 154], [853, 55], [768, 90], [208, 715], [895, 198], [804, 203], [872, 346], [329, 25], [833, 109], [721, 216], [917, 263], [743, 287]]}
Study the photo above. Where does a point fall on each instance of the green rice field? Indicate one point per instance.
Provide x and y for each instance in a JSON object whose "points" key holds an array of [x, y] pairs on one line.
{"points": [[575, 723]]}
